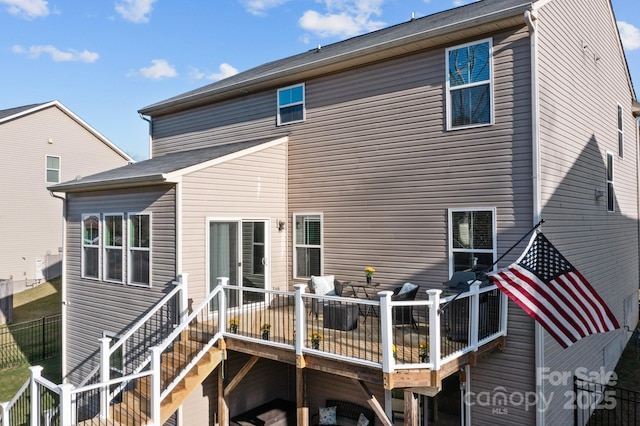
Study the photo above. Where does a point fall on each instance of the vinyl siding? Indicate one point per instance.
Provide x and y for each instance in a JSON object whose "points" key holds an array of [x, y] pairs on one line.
{"points": [[87, 315], [579, 96], [250, 187], [31, 218]]}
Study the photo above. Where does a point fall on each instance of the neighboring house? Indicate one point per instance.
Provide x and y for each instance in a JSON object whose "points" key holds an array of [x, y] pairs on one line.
{"points": [[42, 145], [421, 149]]}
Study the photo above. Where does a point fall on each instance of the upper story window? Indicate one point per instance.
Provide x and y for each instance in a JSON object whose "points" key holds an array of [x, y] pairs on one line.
{"points": [[291, 104], [307, 251], [469, 91], [53, 169], [610, 188], [620, 133], [140, 249], [113, 246], [90, 245], [472, 239]]}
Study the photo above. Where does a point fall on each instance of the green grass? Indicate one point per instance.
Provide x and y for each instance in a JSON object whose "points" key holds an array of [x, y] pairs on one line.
{"points": [[41, 301]]}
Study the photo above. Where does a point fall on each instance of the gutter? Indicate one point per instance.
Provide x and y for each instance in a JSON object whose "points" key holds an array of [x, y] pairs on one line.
{"points": [[63, 284], [531, 16]]}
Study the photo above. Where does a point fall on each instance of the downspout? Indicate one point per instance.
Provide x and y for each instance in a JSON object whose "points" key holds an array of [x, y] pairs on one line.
{"points": [[531, 17], [150, 121], [63, 284]]}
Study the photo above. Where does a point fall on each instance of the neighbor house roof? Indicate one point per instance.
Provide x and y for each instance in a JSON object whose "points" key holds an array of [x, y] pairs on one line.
{"points": [[167, 168], [15, 113], [417, 34]]}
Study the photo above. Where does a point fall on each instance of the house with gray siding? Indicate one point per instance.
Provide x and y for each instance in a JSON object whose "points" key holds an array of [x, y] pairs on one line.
{"points": [[42, 145], [422, 149]]}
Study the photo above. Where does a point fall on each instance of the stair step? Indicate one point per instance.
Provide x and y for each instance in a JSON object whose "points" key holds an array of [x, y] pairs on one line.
{"points": [[128, 415]]}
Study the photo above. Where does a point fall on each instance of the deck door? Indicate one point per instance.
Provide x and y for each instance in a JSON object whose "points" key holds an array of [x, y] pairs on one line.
{"points": [[238, 249]]}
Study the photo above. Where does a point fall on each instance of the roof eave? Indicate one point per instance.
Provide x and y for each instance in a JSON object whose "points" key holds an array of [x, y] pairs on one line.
{"points": [[137, 182], [401, 46]]}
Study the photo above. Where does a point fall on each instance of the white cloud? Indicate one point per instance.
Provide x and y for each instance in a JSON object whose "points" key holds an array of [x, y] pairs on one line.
{"points": [[259, 7], [27, 8], [158, 70], [136, 11], [71, 55], [630, 35], [226, 70], [344, 18], [463, 2]]}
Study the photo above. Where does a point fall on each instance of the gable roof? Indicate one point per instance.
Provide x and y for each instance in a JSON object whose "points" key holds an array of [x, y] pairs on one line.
{"points": [[15, 113], [167, 168], [417, 34]]}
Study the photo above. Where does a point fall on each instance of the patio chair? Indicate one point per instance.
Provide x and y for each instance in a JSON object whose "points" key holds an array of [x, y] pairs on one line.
{"points": [[326, 285], [404, 314]]}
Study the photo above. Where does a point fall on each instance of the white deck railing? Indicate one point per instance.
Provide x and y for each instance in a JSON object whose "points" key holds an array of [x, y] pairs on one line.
{"points": [[366, 332]]}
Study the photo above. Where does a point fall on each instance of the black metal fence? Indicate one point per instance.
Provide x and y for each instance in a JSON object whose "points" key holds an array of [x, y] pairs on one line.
{"points": [[599, 404], [30, 341]]}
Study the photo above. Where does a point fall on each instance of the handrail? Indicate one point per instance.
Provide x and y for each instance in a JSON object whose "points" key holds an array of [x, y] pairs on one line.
{"points": [[18, 394], [115, 381]]}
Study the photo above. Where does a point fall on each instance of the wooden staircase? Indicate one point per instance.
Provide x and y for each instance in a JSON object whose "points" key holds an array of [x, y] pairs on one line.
{"points": [[135, 408]]}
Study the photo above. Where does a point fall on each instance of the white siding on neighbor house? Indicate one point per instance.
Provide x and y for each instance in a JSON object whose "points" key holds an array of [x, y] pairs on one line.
{"points": [[32, 219], [582, 81], [94, 306], [250, 187]]}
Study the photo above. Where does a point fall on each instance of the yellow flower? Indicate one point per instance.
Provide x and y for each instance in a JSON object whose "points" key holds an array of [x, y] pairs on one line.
{"points": [[316, 337], [369, 270], [233, 322], [424, 349], [394, 349], [265, 327]]}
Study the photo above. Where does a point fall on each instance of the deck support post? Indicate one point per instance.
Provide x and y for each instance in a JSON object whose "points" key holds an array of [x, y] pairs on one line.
{"points": [[302, 410], [223, 407], [5, 412], [105, 367], [300, 318], [411, 407]]}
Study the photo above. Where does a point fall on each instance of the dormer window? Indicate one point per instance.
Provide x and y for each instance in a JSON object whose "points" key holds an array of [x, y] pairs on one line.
{"points": [[291, 104]]}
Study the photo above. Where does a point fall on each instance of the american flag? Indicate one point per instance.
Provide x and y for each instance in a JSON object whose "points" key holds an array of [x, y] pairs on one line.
{"points": [[554, 293]]}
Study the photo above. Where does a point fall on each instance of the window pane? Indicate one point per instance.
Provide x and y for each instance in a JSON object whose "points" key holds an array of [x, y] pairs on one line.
{"points": [[482, 230], [258, 232], [113, 264], [53, 163], [113, 231], [469, 64], [619, 118], [90, 262], [292, 113], [296, 94], [90, 230], [471, 106], [53, 176], [609, 167], [139, 267], [308, 261], [140, 231], [258, 255]]}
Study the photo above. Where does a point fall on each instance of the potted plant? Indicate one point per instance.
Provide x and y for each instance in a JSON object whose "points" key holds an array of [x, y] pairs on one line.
{"points": [[265, 330], [315, 340], [233, 325], [394, 349], [368, 271], [423, 351]]}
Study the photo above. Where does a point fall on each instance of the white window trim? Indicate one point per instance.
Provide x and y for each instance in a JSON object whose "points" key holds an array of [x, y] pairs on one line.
{"points": [[295, 245], [46, 168], [612, 181], [450, 248], [303, 103], [130, 249], [465, 86], [620, 127], [83, 245], [105, 247]]}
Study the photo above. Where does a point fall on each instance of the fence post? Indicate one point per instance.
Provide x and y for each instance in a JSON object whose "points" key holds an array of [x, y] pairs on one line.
{"points": [[5, 413], [434, 328], [474, 314], [34, 416], [386, 329], [155, 385], [67, 415], [300, 318], [184, 296], [105, 367], [44, 336], [222, 308]]}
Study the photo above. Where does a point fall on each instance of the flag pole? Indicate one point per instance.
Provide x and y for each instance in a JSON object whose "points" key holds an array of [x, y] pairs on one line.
{"points": [[488, 268]]}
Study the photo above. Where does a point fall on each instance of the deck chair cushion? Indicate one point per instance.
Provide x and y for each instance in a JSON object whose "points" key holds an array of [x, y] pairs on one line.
{"points": [[363, 420], [323, 285], [328, 415], [407, 288]]}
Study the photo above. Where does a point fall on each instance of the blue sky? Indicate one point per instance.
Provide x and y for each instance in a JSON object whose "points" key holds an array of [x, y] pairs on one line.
{"points": [[106, 59]]}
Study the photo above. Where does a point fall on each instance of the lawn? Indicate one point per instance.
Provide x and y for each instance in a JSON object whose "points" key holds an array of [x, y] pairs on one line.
{"points": [[43, 300]]}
